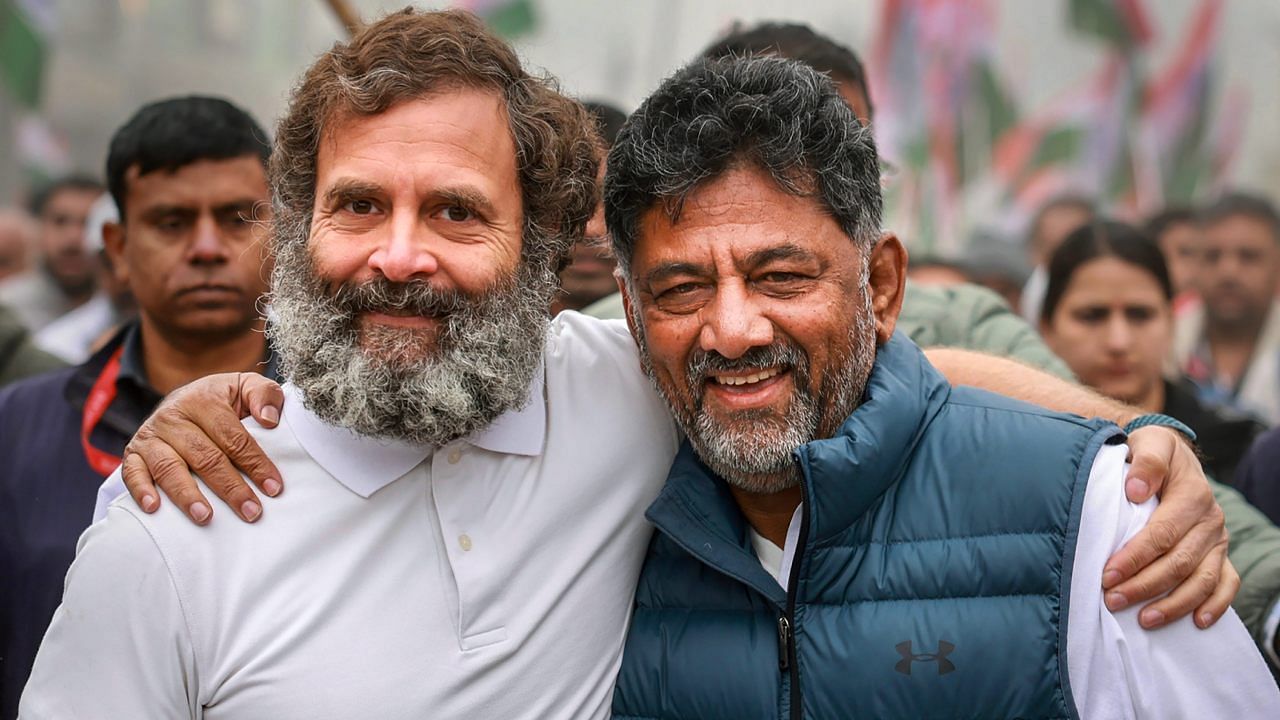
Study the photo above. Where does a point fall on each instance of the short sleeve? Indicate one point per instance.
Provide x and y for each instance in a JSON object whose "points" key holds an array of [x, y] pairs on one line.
{"points": [[1117, 669], [118, 646]]}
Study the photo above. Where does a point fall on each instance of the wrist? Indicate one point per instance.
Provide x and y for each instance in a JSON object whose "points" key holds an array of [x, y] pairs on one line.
{"points": [[1161, 420]]}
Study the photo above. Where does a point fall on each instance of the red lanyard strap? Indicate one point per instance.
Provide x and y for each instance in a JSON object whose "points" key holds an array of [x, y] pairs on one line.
{"points": [[100, 398]]}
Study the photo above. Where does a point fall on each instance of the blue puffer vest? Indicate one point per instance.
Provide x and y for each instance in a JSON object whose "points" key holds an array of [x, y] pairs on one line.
{"points": [[931, 579]]}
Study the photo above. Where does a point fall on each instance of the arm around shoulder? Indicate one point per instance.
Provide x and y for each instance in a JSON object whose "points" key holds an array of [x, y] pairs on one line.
{"points": [[119, 644]]}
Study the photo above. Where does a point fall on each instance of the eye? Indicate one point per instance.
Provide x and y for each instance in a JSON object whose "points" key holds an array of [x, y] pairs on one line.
{"points": [[1091, 316], [684, 297], [360, 207], [457, 213]]}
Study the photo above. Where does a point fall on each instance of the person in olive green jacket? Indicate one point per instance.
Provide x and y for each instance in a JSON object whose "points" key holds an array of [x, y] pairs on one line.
{"points": [[19, 357]]}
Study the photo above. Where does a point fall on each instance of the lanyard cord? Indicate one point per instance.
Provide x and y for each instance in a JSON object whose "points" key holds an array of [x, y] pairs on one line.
{"points": [[100, 398]]}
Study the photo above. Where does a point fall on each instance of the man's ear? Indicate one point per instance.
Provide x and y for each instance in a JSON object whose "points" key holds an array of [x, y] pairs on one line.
{"points": [[887, 282], [627, 304], [113, 246]]}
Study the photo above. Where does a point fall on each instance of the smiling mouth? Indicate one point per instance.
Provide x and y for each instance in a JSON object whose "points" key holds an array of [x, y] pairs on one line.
{"points": [[750, 379]]}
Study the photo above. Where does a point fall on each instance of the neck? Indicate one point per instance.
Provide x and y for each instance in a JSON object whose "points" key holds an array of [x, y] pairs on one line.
{"points": [[1153, 400], [173, 361], [770, 515]]}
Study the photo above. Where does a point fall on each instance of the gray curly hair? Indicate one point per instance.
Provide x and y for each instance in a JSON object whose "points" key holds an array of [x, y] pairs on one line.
{"points": [[776, 114]]}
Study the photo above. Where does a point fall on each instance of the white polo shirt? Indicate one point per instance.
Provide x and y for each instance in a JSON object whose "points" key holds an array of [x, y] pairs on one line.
{"points": [[492, 578]]}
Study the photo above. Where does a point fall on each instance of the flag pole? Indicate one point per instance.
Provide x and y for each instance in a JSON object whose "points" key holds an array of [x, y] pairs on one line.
{"points": [[346, 15]]}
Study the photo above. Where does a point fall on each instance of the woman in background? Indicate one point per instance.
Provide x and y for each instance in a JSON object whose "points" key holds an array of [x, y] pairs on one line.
{"points": [[1108, 312]]}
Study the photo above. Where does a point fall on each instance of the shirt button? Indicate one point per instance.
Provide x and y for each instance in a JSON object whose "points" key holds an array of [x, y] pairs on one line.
{"points": [[454, 456], [464, 541]]}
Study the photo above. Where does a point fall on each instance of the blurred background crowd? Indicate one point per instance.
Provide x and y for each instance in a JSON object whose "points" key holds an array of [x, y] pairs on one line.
{"points": [[1109, 168]]}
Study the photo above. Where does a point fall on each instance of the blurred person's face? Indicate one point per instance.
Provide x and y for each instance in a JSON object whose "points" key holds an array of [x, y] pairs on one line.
{"points": [[1181, 243], [13, 248], [1113, 327], [408, 311], [589, 274], [1238, 272], [757, 322], [61, 244], [1054, 227], [189, 248]]}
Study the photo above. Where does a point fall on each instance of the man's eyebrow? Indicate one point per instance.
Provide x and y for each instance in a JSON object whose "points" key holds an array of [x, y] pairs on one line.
{"points": [[347, 189], [781, 252], [666, 271], [467, 196], [158, 211]]}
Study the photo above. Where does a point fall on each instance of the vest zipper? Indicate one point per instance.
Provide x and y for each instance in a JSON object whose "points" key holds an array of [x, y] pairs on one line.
{"points": [[784, 643], [786, 624]]}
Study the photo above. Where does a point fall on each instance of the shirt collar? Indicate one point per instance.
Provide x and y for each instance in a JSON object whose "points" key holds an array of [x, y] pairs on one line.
{"points": [[367, 464]]}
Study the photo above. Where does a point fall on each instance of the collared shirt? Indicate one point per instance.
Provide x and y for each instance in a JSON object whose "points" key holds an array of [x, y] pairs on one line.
{"points": [[488, 578], [1117, 669]]}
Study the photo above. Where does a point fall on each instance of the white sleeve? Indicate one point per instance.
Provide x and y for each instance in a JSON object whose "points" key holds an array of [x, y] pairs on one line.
{"points": [[110, 489], [1117, 669], [118, 646]]}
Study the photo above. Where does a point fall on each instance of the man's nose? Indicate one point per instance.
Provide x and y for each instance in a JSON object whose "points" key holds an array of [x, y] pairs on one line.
{"points": [[405, 253], [732, 324], [208, 246]]}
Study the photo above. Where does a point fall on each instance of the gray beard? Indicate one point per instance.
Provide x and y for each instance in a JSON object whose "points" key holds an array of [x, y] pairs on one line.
{"points": [[487, 349], [754, 452]]}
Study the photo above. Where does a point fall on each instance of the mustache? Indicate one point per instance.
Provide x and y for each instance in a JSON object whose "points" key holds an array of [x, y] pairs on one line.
{"points": [[418, 297], [703, 363]]}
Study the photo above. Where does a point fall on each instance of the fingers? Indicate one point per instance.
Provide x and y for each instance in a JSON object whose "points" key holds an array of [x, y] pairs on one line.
{"points": [[193, 430], [222, 444], [164, 465], [1193, 564], [1151, 455], [1212, 610], [263, 398], [1198, 590], [138, 481], [1186, 502]]}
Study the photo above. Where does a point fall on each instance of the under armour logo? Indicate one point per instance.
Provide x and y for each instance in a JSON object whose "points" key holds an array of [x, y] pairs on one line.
{"points": [[944, 665]]}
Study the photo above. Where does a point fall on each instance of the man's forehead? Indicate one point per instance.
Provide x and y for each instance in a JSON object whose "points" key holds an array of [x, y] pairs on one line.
{"points": [[441, 109], [747, 212], [221, 180], [1240, 227]]}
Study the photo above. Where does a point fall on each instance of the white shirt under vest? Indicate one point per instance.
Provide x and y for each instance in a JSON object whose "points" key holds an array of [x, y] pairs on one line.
{"points": [[492, 578]]}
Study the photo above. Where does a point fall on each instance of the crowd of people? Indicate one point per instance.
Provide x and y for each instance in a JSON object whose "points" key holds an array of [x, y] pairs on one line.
{"points": [[586, 414]]}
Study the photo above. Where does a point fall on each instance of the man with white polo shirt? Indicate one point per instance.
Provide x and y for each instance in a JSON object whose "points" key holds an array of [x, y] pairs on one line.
{"points": [[445, 430]]}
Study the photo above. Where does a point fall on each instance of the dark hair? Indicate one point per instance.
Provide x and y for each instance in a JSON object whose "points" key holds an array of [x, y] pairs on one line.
{"points": [[1174, 215], [609, 119], [170, 134], [778, 115], [1072, 201], [1238, 204], [40, 198], [1102, 239], [410, 54], [795, 41]]}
